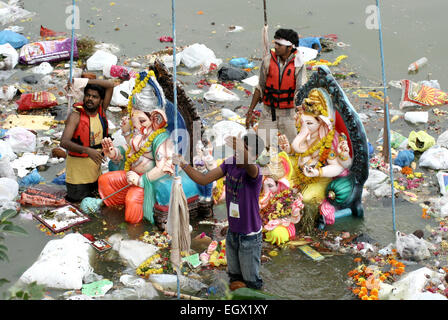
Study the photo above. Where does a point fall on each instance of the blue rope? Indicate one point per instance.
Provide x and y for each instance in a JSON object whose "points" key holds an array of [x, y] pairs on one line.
{"points": [[173, 10], [387, 115]]}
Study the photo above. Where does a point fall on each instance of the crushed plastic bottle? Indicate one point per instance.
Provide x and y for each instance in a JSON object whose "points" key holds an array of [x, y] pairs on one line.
{"points": [[417, 64]]}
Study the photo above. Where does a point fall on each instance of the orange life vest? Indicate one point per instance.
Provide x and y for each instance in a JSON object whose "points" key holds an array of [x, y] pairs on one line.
{"points": [[279, 92], [81, 135]]}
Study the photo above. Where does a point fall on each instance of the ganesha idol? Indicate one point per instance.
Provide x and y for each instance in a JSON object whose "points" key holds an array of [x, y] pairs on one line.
{"points": [[328, 161], [145, 162]]}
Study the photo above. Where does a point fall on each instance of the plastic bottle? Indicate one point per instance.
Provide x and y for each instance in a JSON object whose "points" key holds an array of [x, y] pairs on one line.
{"points": [[6, 171], [417, 64]]}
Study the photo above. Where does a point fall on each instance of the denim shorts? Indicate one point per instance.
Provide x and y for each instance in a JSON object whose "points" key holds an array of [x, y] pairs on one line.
{"points": [[243, 255]]}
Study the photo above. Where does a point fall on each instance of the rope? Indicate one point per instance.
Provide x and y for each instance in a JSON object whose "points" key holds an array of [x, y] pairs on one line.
{"points": [[386, 115], [71, 52], [173, 10]]}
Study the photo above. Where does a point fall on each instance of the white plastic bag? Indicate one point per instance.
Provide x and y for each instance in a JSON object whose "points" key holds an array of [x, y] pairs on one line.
{"points": [[168, 60], [198, 54], [375, 179], [62, 264], [12, 57], [100, 59], [6, 150], [117, 98], [10, 12], [411, 287], [133, 251], [9, 189], [21, 140], [410, 247], [7, 92], [435, 158], [416, 117], [220, 93], [224, 128], [442, 140], [43, 68]]}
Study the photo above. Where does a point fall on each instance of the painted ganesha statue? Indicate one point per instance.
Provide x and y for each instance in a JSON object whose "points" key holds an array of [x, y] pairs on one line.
{"points": [[144, 164], [324, 167]]}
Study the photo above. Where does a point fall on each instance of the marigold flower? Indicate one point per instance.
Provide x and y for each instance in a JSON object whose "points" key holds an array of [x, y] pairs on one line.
{"points": [[374, 292], [357, 259], [366, 297]]}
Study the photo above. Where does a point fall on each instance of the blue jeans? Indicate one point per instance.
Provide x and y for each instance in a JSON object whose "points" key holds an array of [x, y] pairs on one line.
{"points": [[243, 255]]}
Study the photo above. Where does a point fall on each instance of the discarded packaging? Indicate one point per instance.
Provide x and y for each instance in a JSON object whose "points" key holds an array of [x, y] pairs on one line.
{"points": [[47, 51], [62, 264], [100, 59]]}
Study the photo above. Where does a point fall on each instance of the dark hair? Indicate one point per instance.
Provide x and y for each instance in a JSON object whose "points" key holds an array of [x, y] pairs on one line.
{"points": [[253, 140], [287, 34], [97, 88]]}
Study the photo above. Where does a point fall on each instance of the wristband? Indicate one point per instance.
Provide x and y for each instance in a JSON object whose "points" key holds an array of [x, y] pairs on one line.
{"points": [[320, 172]]}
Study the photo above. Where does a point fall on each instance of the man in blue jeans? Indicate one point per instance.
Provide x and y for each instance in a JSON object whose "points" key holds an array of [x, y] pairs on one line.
{"points": [[243, 186]]}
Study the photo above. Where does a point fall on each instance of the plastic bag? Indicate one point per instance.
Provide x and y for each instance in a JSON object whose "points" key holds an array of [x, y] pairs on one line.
{"points": [[118, 99], [198, 54], [416, 117], [410, 247], [43, 68], [16, 40], [6, 150], [420, 141], [412, 286], [10, 12], [435, 158], [226, 73], [59, 180], [397, 140], [220, 93], [133, 251], [100, 59], [241, 63], [9, 189], [114, 71], [224, 128], [21, 140], [62, 264], [30, 179], [375, 179], [404, 158], [47, 51], [7, 92], [36, 100], [442, 140], [6, 171], [418, 94], [11, 57]]}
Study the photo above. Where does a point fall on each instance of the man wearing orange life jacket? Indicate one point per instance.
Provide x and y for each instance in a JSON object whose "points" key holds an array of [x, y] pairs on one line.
{"points": [[85, 127], [282, 73]]}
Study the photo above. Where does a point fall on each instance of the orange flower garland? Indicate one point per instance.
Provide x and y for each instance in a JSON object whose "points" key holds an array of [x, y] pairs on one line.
{"points": [[368, 281]]}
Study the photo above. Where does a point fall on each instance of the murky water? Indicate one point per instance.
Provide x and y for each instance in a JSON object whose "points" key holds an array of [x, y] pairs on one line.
{"points": [[411, 29]]}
